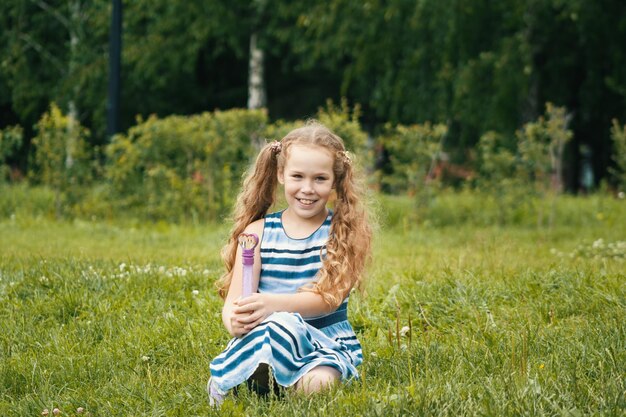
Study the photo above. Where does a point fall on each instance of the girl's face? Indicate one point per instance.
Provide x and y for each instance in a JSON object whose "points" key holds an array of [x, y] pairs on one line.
{"points": [[308, 179]]}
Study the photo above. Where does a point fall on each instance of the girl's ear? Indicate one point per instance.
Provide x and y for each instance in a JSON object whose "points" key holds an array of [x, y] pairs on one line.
{"points": [[281, 177]]}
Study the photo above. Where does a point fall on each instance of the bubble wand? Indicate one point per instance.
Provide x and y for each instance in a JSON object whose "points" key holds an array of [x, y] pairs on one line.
{"points": [[247, 242]]}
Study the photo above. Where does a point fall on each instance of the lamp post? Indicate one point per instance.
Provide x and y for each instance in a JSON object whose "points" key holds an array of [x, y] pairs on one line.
{"points": [[115, 52]]}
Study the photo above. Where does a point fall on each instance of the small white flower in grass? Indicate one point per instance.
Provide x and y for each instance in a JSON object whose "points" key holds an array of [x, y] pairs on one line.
{"points": [[374, 355], [205, 272], [404, 331], [620, 195], [195, 292], [161, 269], [80, 410], [56, 411], [45, 412], [122, 267], [145, 358]]}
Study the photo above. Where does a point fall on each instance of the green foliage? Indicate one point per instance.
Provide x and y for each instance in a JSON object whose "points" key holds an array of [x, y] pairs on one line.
{"points": [[413, 151], [10, 141], [280, 128], [618, 134], [24, 200], [183, 167], [344, 121], [541, 145], [341, 119], [61, 159], [476, 66], [514, 207], [499, 176]]}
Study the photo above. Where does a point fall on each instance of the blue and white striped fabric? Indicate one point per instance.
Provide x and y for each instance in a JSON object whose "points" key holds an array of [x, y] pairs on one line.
{"points": [[289, 344]]}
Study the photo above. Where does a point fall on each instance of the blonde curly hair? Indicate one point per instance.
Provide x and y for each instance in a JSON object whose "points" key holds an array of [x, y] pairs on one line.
{"points": [[348, 249]]}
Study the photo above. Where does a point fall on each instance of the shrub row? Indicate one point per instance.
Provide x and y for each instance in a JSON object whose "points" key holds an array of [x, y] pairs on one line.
{"points": [[189, 168]]}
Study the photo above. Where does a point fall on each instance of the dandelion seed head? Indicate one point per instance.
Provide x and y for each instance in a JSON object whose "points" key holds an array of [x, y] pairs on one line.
{"points": [[195, 292]]}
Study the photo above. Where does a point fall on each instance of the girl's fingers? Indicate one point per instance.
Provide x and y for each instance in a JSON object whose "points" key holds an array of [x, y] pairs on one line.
{"points": [[248, 308], [251, 326], [252, 318], [246, 320], [241, 301]]}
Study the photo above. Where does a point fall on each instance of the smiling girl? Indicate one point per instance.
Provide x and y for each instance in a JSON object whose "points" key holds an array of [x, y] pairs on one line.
{"points": [[294, 330]]}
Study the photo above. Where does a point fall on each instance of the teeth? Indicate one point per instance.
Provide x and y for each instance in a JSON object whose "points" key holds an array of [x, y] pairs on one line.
{"points": [[305, 201]]}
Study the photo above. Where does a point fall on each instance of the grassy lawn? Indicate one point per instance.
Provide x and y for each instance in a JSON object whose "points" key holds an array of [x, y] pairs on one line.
{"points": [[123, 320]]}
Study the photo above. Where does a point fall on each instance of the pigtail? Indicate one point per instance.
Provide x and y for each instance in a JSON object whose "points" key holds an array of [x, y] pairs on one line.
{"points": [[256, 197], [348, 249], [349, 244]]}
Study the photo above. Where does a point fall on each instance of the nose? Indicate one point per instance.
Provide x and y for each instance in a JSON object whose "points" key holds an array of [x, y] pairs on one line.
{"points": [[307, 187]]}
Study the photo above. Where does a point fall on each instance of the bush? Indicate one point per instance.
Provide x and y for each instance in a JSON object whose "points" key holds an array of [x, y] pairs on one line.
{"points": [[618, 134], [10, 141], [500, 179], [23, 200], [466, 207], [183, 167], [341, 119], [412, 152], [62, 160]]}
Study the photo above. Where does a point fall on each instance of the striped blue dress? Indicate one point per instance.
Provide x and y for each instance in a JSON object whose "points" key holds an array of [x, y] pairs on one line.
{"points": [[290, 344]]}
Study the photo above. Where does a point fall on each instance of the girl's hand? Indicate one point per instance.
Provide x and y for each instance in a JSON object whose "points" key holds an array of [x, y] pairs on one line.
{"points": [[252, 310], [237, 328]]}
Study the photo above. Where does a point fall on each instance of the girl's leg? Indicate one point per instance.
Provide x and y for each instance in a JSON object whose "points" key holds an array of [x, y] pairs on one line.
{"points": [[317, 379]]}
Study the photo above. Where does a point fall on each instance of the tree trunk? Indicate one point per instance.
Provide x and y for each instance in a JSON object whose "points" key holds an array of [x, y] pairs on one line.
{"points": [[256, 81], [74, 27]]}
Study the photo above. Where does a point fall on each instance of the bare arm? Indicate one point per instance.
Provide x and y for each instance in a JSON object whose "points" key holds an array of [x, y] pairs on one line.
{"points": [[255, 308]]}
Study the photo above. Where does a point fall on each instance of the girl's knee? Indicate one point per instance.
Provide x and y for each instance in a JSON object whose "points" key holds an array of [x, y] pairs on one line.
{"points": [[317, 379]]}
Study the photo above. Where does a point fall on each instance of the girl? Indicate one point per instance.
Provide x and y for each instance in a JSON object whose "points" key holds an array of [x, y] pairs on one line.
{"points": [[307, 261]]}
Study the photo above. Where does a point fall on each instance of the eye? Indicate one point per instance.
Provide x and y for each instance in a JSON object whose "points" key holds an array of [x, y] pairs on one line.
{"points": [[297, 176], [321, 179]]}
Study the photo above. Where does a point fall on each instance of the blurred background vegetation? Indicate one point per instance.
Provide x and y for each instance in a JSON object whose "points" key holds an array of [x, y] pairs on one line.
{"points": [[495, 108]]}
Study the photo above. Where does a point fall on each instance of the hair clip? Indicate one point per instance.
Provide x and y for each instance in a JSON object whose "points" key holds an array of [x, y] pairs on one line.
{"points": [[345, 157], [276, 147]]}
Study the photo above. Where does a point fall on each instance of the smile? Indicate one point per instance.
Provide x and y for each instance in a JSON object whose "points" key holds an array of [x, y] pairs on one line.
{"points": [[306, 201]]}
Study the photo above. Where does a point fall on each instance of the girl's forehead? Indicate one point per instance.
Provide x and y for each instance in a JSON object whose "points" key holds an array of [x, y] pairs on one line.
{"points": [[304, 148], [309, 154]]}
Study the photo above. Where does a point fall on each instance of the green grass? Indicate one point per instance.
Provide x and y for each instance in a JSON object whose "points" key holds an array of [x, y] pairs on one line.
{"points": [[123, 320]]}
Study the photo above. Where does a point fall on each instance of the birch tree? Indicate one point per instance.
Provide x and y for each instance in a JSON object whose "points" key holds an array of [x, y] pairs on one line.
{"points": [[256, 80]]}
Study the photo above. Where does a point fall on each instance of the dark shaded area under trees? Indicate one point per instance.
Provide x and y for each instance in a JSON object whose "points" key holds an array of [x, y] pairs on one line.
{"points": [[474, 65]]}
